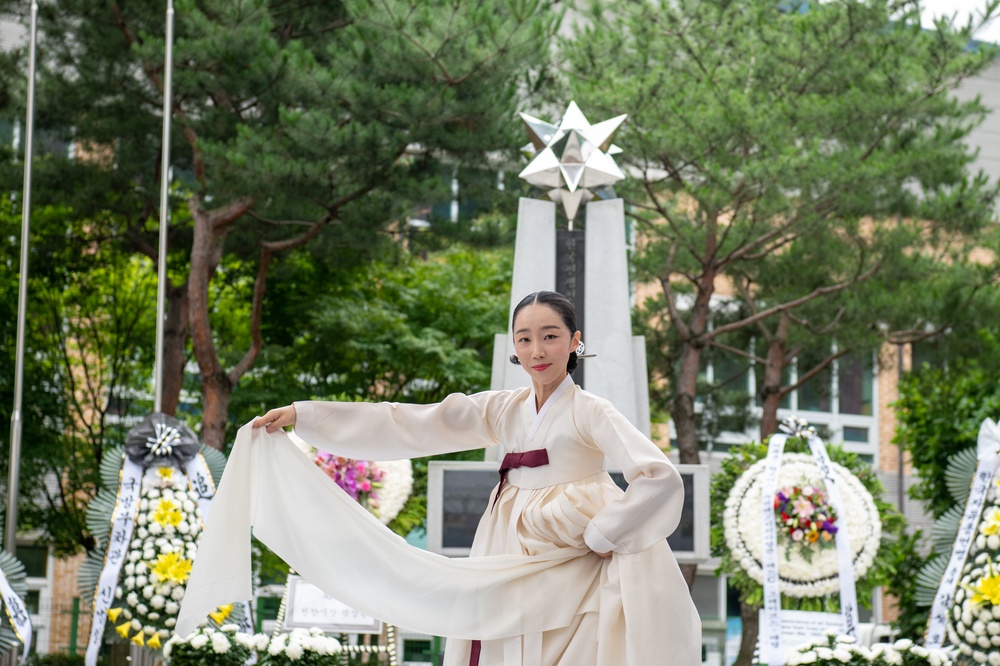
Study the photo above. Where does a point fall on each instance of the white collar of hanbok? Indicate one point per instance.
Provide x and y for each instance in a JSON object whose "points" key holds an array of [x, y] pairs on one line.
{"points": [[540, 413]]}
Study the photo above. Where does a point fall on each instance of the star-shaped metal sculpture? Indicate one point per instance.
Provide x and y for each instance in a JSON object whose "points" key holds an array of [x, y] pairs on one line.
{"points": [[572, 158]]}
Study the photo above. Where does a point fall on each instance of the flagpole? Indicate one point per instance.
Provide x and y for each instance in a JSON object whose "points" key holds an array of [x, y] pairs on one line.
{"points": [[10, 527], [161, 283]]}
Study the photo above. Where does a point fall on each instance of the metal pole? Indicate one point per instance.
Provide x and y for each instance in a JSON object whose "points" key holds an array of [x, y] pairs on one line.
{"points": [[10, 531], [161, 282]]}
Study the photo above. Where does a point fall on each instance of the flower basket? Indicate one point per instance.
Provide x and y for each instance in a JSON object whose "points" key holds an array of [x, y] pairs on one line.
{"points": [[301, 647], [212, 647], [844, 651]]}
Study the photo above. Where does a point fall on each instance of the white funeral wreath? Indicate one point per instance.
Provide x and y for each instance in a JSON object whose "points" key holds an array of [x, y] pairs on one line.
{"points": [[798, 577]]}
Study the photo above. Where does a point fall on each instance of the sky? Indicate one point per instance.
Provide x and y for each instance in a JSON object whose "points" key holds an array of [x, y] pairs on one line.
{"points": [[963, 9]]}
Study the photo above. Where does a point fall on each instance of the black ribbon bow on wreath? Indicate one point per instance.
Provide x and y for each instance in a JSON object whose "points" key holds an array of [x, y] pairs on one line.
{"points": [[160, 439]]}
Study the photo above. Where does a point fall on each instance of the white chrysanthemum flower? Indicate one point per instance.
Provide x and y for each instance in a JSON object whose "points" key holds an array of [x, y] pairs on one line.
{"points": [[220, 644], [199, 641], [171, 607]]}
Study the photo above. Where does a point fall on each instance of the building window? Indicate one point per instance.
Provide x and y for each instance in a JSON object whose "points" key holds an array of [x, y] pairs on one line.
{"points": [[35, 560], [854, 384]]}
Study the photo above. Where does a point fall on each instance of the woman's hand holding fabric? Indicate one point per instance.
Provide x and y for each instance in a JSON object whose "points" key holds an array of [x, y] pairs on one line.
{"points": [[276, 419]]}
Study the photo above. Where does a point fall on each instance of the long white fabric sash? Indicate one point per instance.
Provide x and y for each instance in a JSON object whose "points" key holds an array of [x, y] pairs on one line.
{"points": [[122, 524], [770, 631], [988, 454], [200, 480], [20, 621], [337, 545]]}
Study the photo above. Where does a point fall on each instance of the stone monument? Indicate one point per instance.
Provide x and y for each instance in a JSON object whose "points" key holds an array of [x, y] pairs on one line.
{"points": [[573, 161]]}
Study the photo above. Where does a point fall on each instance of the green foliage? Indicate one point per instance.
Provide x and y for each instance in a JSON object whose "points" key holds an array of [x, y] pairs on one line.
{"points": [[785, 153], [903, 564], [884, 569], [89, 338], [939, 413]]}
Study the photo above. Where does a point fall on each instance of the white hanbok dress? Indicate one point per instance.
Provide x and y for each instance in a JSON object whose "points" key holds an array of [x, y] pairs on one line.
{"points": [[632, 609]]}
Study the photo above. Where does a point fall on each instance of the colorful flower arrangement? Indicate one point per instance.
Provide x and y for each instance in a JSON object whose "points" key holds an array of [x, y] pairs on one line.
{"points": [[382, 487], [807, 519], [845, 651], [805, 572], [159, 559], [359, 478], [208, 646], [974, 624], [301, 647]]}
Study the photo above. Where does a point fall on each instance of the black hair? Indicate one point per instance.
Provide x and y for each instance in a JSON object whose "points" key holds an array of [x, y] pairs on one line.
{"points": [[560, 304]]}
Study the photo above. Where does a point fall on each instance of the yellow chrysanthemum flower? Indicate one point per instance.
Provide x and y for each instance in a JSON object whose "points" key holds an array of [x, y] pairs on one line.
{"points": [[167, 513], [166, 473], [172, 567], [986, 589], [991, 521]]}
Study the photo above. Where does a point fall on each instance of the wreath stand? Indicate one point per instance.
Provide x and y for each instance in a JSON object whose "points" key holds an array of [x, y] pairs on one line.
{"points": [[388, 630]]}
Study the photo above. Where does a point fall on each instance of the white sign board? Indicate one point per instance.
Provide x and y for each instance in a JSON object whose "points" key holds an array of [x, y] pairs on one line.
{"points": [[309, 606], [801, 627]]}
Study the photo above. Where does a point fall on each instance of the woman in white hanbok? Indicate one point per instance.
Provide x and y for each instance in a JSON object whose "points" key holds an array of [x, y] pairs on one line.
{"points": [[627, 601]]}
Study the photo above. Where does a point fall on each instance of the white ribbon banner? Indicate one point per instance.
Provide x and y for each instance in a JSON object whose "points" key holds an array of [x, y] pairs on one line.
{"points": [[201, 483], [771, 649], [122, 524], [20, 621], [842, 539], [770, 629], [988, 454]]}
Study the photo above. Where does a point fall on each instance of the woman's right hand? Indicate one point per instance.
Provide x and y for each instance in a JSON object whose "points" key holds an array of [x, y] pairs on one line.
{"points": [[276, 418]]}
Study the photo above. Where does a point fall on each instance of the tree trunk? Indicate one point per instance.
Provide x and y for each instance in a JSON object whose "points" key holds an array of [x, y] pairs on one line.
{"points": [[215, 393], [175, 336], [683, 414], [682, 407], [770, 390], [751, 618]]}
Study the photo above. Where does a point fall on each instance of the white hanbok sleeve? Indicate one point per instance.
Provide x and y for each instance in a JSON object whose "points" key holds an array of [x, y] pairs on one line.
{"points": [[650, 509], [392, 431]]}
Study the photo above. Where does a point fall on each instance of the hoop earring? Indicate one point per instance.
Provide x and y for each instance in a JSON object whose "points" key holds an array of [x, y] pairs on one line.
{"points": [[514, 359], [580, 348]]}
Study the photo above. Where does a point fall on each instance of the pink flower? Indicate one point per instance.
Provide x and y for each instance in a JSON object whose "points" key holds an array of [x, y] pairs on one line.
{"points": [[797, 535], [365, 486], [803, 507]]}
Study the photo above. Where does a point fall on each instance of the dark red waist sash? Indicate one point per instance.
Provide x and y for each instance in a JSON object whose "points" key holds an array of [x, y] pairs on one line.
{"points": [[534, 458]]}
